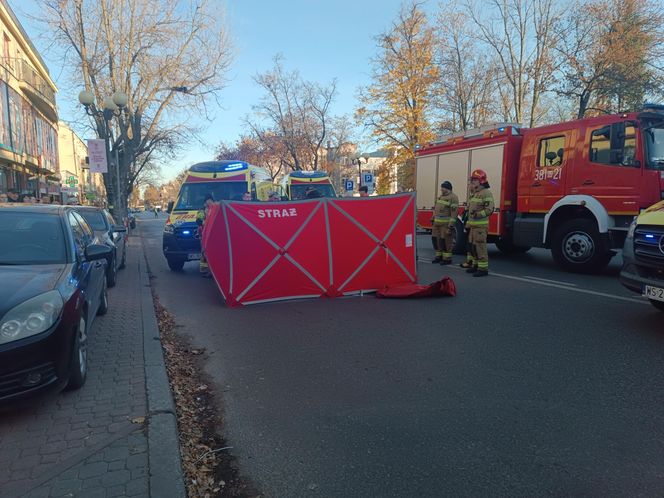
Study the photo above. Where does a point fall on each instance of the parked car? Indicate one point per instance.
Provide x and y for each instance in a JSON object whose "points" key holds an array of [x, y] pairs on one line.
{"points": [[53, 274], [643, 256], [109, 233], [131, 218]]}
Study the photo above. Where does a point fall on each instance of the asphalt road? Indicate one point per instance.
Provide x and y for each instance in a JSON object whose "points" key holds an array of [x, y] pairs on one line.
{"points": [[531, 382]]}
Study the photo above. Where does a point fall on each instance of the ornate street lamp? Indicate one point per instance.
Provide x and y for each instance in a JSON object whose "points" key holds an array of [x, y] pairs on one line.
{"points": [[112, 106]]}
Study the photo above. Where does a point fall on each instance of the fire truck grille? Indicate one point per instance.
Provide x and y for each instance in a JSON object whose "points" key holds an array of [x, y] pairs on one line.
{"points": [[649, 244]]}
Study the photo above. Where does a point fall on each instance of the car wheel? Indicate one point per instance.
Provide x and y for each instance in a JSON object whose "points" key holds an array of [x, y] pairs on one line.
{"points": [[175, 264], [103, 300], [577, 246], [112, 272], [657, 304], [78, 371], [123, 262]]}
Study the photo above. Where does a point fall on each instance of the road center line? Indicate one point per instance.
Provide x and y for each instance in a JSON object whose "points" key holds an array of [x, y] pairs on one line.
{"points": [[550, 281], [559, 286], [582, 291]]}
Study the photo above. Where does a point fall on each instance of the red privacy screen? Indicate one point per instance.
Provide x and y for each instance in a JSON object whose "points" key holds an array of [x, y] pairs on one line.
{"points": [[270, 251]]}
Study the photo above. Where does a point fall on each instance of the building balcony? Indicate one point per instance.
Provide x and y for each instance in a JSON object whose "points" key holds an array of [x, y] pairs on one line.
{"points": [[39, 92]]}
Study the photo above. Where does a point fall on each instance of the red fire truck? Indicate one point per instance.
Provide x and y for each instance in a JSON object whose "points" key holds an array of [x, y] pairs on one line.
{"points": [[572, 187]]}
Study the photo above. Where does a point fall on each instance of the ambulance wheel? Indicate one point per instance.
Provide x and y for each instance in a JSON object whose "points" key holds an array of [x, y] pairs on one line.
{"points": [[175, 264], [657, 304], [508, 247], [577, 246], [460, 239]]}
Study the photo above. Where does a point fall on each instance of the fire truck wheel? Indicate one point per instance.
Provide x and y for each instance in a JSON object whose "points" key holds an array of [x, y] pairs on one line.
{"points": [[508, 247], [577, 246]]}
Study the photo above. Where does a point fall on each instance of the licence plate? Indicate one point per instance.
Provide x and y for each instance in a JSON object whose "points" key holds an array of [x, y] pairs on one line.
{"points": [[655, 293], [197, 255]]}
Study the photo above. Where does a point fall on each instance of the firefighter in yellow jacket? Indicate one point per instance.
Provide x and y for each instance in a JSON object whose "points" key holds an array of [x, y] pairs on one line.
{"points": [[444, 222], [480, 209]]}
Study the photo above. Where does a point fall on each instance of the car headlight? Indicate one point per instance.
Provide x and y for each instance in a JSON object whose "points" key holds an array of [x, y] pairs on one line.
{"points": [[168, 228], [31, 317], [632, 228]]}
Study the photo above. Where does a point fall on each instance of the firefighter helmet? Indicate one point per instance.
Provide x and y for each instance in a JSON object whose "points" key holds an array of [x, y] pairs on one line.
{"points": [[478, 174]]}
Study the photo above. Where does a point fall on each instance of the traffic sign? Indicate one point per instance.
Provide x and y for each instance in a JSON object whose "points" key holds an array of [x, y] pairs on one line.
{"points": [[349, 185], [368, 178]]}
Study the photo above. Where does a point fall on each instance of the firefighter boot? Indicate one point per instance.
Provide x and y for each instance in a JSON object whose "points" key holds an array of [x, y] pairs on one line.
{"points": [[481, 273], [446, 262], [472, 269]]}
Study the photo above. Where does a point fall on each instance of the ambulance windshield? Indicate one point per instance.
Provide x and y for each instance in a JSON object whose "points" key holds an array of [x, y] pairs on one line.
{"points": [[192, 195], [300, 191]]}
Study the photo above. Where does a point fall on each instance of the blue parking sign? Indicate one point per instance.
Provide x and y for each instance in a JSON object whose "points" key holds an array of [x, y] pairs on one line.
{"points": [[368, 178], [349, 185]]}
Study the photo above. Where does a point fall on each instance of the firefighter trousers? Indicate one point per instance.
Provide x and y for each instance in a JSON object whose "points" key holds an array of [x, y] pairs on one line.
{"points": [[444, 241], [477, 239]]}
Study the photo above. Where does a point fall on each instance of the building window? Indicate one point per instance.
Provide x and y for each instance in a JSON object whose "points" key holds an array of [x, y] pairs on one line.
{"points": [[6, 53], [551, 152]]}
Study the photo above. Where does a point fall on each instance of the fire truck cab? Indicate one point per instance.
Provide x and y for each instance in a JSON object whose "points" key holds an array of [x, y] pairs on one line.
{"points": [[572, 187]]}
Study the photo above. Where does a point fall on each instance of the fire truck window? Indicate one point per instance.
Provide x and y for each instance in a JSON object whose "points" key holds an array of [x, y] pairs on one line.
{"points": [[629, 150], [600, 146], [551, 151]]}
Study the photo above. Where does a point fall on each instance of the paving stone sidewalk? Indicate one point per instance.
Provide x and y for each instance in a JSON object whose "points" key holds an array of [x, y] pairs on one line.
{"points": [[94, 442]]}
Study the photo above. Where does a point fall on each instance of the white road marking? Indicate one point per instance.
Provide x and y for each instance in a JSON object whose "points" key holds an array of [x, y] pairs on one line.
{"points": [[550, 283]]}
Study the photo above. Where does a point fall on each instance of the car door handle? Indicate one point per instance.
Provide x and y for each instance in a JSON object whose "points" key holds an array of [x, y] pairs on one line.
{"points": [[588, 182]]}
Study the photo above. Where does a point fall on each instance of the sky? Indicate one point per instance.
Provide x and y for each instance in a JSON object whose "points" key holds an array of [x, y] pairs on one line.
{"points": [[321, 39]]}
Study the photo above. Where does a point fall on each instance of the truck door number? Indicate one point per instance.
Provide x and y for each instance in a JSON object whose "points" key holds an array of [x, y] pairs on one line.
{"points": [[548, 174]]}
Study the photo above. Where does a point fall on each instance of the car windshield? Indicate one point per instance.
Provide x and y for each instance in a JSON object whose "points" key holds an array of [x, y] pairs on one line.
{"points": [[299, 191], [654, 138], [94, 218], [192, 195], [31, 238]]}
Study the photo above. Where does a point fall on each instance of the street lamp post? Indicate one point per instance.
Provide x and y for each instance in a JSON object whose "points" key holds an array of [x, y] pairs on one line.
{"points": [[112, 106]]}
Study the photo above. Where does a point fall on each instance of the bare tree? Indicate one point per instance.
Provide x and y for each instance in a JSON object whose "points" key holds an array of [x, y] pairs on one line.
{"points": [[296, 111], [169, 57], [609, 57], [466, 90], [267, 151], [520, 33]]}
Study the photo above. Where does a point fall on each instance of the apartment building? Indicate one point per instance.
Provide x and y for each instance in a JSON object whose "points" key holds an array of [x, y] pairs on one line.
{"points": [[28, 114], [78, 185]]}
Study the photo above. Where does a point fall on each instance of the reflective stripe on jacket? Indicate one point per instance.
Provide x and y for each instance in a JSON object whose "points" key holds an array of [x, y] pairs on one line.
{"points": [[480, 208], [447, 209]]}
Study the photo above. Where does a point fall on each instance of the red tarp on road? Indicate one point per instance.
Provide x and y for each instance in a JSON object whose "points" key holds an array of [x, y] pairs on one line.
{"points": [[441, 288], [261, 252]]}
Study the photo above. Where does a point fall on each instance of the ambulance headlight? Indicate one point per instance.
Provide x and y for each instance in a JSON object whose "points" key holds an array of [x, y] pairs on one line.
{"points": [[632, 228]]}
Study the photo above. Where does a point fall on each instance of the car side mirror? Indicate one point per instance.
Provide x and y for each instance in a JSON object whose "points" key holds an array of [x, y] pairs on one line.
{"points": [[169, 208], [94, 252]]}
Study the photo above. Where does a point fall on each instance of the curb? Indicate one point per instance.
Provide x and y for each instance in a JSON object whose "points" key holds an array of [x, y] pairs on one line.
{"points": [[166, 478]]}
